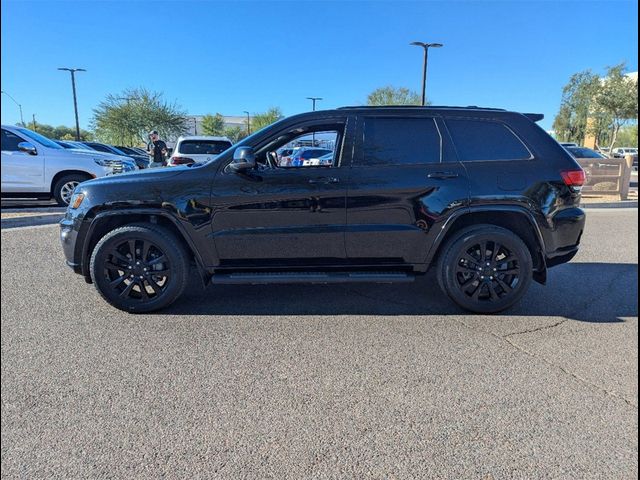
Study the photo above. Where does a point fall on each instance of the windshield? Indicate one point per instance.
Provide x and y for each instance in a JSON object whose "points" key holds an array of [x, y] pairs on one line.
{"points": [[42, 140], [578, 152]]}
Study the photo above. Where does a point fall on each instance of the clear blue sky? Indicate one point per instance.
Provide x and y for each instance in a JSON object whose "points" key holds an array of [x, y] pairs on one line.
{"points": [[224, 57]]}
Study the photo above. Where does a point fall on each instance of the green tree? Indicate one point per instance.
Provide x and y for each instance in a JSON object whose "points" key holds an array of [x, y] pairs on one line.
{"points": [[570, 123], [127, 118], [390, 95], [628, 136], [213, 125], [60, 132], [235, 134], [617, 98], [264, 119]]}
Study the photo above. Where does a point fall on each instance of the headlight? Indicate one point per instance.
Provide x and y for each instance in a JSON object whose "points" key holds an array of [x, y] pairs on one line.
{"points": [[76, 200], [101, 162]]}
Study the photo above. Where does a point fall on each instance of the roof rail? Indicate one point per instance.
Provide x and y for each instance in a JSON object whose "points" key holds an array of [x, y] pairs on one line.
{"points": [[448, 107]]}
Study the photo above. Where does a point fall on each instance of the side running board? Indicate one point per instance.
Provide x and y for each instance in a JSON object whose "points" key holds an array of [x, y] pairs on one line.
{"points": [[260, 278]]}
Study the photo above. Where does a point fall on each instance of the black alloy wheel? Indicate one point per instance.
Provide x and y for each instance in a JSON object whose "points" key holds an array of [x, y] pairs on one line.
{"points": [[139, 268], [485, 269]]}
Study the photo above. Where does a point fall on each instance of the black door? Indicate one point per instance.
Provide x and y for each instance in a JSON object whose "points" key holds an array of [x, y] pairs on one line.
{"points": [[283, 216], [405, 179]]}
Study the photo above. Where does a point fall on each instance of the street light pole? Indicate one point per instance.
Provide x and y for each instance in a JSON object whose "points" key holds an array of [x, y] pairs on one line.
{"points": [[426, 47], [313, 134], [75, 100], [248, 122], [314, 99], [19, 107]]}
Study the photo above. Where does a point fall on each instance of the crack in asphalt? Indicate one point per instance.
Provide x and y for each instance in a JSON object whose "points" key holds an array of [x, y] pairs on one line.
{"points": [[606, 291], [530, 353], [545, 327], [575, 376]]}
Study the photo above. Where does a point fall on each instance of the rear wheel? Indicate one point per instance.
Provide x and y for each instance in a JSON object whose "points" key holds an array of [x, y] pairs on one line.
{"points": [[65, 186], [485, 269], [139, 268]]}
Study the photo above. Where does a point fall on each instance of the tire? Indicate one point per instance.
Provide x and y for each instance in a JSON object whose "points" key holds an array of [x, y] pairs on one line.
{"points": [[152, 280], [475, 286], [63, 188]]}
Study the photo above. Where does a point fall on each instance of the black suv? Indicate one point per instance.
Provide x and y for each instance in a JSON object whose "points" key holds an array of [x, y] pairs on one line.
{"points": [[484, 196]]}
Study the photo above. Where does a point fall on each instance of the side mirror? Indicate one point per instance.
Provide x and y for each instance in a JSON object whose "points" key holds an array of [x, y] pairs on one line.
{"points": [[243, 159], [27, 147]]}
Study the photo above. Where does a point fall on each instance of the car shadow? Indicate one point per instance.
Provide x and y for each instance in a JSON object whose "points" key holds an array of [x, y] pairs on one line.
{"points": [[588, 292]]}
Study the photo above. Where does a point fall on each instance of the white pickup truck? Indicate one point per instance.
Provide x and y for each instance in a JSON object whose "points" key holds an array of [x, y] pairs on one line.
{"points": [[34, 166]]}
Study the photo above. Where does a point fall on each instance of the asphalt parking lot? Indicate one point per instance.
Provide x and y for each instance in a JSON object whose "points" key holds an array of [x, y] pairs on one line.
{"points": [[323, 382]]}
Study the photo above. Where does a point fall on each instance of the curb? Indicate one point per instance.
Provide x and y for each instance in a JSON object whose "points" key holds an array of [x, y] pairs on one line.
{"points": [[621, 204], [34, 209], [30, 221]]}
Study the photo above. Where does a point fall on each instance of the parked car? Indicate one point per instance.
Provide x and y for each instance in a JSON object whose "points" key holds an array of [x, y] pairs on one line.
{"points": [[597, 165], [584, 152], [64, 144], [71, 144], [80, 147], [142, 161], [621, 152], [483, 196], [197, 149], [308, 156], [33, 166], [285, 154], [569, 144], [326, 159], [141, 151]]}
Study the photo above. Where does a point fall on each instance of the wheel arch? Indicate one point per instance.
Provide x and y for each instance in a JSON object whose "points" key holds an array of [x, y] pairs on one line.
{"points": [[64, 173], [518, 220], [104, 222]]}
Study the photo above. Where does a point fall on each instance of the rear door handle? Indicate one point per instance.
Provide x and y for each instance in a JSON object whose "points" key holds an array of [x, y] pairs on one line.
{"points": [[442, 175], [324, 180]]}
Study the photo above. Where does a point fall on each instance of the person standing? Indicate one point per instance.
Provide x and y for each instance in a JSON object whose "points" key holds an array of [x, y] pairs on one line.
{"points": [[156, 149]]}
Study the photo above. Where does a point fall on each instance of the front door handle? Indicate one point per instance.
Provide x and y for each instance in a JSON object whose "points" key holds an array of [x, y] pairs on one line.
{"points": [[324, 180], [442, 175]]}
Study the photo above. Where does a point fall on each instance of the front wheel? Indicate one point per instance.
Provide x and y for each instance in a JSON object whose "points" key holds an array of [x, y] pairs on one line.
{"points": [[139, 268], [65, 186], [485, 269]]}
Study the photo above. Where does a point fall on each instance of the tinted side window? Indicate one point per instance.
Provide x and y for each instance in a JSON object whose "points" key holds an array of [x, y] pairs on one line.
{"points": [[400, 141], [10, 141], [478, 140]]}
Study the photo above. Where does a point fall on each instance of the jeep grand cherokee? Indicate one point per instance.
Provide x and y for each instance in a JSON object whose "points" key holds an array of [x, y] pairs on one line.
{"points": [[484, 196]]}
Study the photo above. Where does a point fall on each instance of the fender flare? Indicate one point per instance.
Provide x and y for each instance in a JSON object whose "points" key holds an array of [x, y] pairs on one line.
{"points": [[140, 211], [540, 274]]}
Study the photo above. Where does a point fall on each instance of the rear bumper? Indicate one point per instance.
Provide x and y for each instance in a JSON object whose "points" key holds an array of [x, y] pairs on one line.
{"points": [[567, 227]]}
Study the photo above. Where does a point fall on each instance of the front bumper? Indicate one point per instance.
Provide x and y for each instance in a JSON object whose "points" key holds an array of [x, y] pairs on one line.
{"points": [[69, 240]]}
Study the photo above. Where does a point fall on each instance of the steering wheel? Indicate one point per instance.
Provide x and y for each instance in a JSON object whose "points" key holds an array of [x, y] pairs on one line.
{"points": [[272, 158]]}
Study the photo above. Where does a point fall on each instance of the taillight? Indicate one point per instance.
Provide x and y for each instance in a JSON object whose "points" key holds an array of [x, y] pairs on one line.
{"points": [[574, 178], [182, 160]]}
